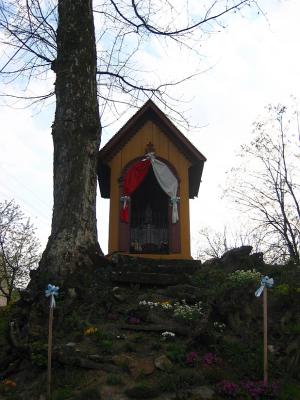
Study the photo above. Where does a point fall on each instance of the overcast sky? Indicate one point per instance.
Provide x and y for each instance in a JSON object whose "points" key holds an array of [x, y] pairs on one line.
{"points": [[253, 62]]}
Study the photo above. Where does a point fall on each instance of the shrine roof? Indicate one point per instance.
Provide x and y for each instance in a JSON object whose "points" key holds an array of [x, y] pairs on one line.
{"points": [[149, 111]]}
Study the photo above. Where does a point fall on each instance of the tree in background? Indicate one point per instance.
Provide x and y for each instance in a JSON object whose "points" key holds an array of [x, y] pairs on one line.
{"points": [[94, 50], [266, 185], [18, 249], [214, 243]]}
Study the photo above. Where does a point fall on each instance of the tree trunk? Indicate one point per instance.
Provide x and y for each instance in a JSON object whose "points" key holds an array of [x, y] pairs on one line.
{"points": [[76, 137]]}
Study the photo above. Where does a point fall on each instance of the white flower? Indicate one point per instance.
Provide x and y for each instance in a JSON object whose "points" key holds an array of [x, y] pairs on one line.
{"points": [[219, 326], [150, 304], [167, 335], [184, 311], [166, 306]]}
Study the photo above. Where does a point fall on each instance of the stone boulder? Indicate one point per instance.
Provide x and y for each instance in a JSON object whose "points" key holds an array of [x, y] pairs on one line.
{"points": [[163, 363], [202, 393], [136, 366], [239, 257], [184, 291], [236, 256]]}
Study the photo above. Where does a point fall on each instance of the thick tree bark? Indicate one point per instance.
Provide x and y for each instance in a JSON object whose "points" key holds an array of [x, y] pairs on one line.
{"points": [[76, 137]]}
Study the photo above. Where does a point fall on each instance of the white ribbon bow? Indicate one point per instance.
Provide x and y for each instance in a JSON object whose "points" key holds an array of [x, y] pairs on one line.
{"points": [[125, 200]]}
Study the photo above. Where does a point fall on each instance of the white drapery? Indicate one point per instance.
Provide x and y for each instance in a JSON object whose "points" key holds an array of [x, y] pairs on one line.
{"points": [[167, 182]]}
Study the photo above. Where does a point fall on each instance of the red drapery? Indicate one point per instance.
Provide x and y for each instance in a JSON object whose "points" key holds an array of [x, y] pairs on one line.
{"points": [[132, 180]]}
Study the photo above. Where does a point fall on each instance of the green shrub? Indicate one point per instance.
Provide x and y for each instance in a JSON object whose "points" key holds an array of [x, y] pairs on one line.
{"points": [[247, 356], [180, 379], [142, 391], [176, 352], [39, 354], [129, 347], [139, 338], [241, 277], [166, 382], [289, 391], [156, 346], [4, 318], [72, 322], [294, 328], [106, 345], [64, 376], [282, 290], [216, 374], [88, 394], [104, 340], [61, 394], [114, 379], [208, 277], [103, 335]]}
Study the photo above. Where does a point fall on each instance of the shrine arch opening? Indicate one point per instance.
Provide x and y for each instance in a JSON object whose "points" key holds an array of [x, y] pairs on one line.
{"points": [[149, 219], [149, 213]]}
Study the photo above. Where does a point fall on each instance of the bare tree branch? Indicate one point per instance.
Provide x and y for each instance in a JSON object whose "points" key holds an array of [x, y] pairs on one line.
{"points": [[18, 249], [264, 185], [125, 27]]}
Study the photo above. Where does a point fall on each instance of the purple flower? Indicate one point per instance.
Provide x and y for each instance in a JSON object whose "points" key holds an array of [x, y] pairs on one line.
{"points": [[191, 358], [257, 389], [228, 388], [134, 320]]}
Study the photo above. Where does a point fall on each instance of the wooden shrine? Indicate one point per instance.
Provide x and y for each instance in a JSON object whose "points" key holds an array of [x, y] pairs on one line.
{"points": [[149, 171]]}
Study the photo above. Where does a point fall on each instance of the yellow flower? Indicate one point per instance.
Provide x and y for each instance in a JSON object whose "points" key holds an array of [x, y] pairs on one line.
{"points": [[90, 331], [9, 383]]}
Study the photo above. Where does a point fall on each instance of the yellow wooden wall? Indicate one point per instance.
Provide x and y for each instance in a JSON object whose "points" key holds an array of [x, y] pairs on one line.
{"points": [[164, 148]]}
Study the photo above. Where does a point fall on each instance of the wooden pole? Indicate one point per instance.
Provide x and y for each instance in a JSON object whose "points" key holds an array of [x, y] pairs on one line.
{"points": [[49, 353], [265, 307]]}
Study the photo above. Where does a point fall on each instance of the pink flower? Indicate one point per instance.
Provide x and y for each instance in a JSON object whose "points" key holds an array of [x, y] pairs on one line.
{"points": [[191, 358], [210, 359], [228, 388]]}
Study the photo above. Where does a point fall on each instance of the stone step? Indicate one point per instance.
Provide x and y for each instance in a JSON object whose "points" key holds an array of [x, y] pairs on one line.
{"points": [[156, 279], [131, 262], [165, 269], [181, 330]]}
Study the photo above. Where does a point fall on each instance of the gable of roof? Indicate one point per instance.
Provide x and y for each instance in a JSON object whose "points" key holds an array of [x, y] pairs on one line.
{"points": [[149, 111]]}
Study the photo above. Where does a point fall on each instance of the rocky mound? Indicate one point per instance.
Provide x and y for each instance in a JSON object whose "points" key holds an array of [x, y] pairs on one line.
{"points": [[133, 328]]}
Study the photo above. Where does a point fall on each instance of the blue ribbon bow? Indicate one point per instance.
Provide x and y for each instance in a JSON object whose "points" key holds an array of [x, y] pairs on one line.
{"points": [[265, 282], [51, 292]]}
